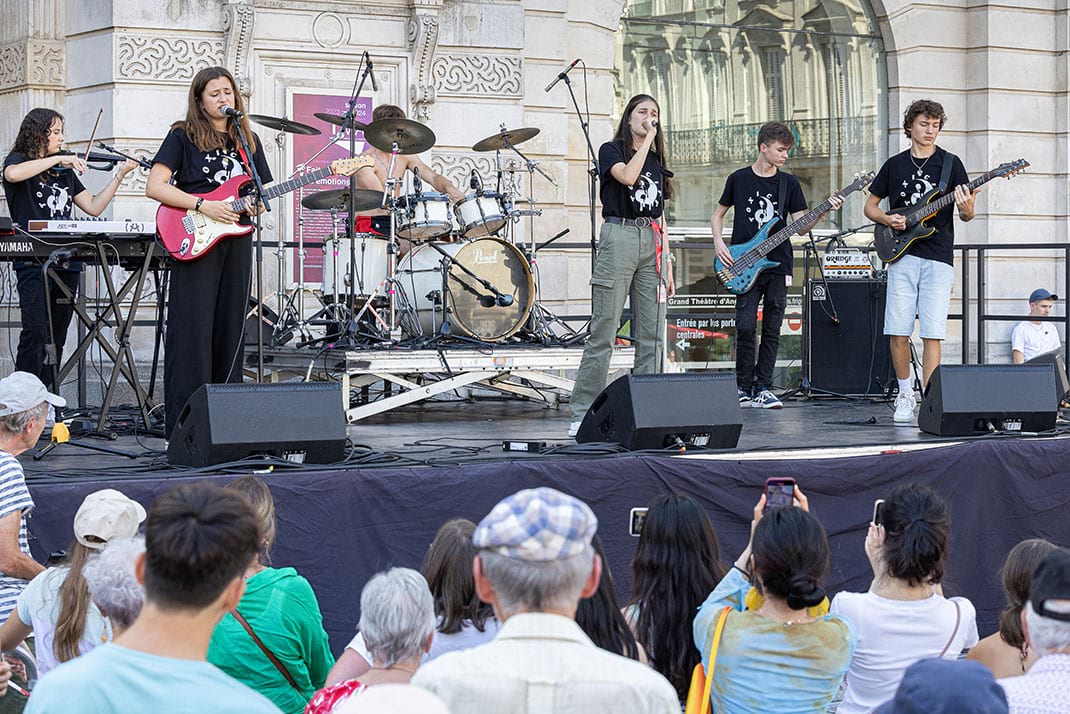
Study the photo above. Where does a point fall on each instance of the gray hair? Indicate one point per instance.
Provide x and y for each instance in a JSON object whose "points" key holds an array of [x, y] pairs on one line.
{"points": [[1047, 635], [16, 423], [397, 615], [523, 585], [109, 573]]}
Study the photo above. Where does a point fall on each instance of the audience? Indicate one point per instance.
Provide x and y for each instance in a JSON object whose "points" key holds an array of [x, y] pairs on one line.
{"points": [[397, 618], [55, 606], [781, 657], [677, 563], [393, 699], [1006, 651], [463, 621], [1046, 618], [199, 539], [600, 618], [111, 576], [279, 614], [942, 686], [535, 562], [904, 617]]}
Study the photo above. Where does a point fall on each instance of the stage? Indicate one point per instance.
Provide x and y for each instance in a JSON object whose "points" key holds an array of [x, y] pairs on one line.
{"points": [[413, 467]]}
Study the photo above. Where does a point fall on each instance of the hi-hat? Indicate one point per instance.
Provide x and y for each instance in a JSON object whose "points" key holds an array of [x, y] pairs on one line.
{"points": [[339, 120], [287, 125], [412, 137], [338, 199], [505, 139]]}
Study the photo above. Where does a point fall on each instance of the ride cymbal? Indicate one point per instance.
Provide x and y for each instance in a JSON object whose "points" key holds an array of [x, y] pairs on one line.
{"points": [[505, 139], [412, 137], [287, 125], [364, 199], [339, 120]]}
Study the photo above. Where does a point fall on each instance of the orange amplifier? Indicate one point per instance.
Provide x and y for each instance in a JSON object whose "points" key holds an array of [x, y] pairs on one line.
{"points": [[841, 264]]}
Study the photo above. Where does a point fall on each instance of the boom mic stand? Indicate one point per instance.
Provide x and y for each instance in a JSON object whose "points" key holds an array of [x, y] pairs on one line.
{"points": [[592, 186]]}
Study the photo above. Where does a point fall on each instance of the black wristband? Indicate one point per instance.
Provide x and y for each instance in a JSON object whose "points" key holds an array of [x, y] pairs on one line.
{"points": [[199, 202]]}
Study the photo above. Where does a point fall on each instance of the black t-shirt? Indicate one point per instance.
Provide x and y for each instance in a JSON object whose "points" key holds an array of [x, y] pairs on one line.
{"points": [[755, 201], [645, 198], [197, 171], [47, 196], [903, 183]]}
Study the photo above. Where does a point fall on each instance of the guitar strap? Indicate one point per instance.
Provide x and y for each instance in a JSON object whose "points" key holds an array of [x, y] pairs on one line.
{"points": [[782, 202], [945, 172]]}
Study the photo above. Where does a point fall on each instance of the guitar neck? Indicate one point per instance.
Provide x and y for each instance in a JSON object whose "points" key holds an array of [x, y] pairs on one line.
{"points": [[791, 229], [921, 213], [293, 184]]}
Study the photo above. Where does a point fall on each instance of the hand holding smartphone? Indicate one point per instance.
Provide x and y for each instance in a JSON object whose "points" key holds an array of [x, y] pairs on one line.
{"points": [[878, 512], [779, 492]]}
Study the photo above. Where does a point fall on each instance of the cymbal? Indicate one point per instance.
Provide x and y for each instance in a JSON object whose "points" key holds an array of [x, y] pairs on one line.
{"points": [[338, 198], [506, 138], [339, 120], [287, 125], [412, 137]]}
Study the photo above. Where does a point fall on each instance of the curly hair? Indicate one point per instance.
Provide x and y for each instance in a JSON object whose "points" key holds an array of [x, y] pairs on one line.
{"points": [[931, 109], [32, 139]]}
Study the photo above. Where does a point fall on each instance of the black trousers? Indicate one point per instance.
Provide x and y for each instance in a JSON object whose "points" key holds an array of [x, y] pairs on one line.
{"points": [[206, 309], [771, 291], [31, 355]]}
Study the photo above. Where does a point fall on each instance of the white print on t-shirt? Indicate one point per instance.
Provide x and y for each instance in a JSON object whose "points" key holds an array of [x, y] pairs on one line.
{"points": [[920, 185], [764, 212], [54, 197], [645, 193], [220, 167]]}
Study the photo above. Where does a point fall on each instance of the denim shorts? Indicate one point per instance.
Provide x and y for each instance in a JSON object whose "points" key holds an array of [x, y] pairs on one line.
{"points": [[922, 288]]}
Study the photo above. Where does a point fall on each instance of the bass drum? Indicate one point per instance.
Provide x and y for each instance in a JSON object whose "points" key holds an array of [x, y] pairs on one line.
{"points": [[499, 263]]}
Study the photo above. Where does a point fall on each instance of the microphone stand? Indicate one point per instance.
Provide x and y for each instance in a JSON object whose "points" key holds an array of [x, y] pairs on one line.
{"points": [[592, 188], [258, 186]]}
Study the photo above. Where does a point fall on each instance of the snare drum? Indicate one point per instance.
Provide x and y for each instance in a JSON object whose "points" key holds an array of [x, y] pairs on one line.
{"points": [[427, 216], [371, 265], [480, 214]]}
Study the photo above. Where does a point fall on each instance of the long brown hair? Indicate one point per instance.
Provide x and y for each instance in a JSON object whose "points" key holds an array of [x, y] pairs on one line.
{"points": [[624, 134], [448, 569], [1017, 574], [199, 127], [73, 605], [32, 139], [259, 497]]}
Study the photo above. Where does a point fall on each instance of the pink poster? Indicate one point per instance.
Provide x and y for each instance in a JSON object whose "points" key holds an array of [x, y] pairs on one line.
{"points": [[316, 225]]}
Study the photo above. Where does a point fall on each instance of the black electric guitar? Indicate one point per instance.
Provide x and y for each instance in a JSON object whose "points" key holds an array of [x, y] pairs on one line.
{"points": [[892, 244]]}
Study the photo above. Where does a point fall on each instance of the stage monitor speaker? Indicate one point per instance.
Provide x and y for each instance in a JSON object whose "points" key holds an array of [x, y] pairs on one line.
{"points": [[1055, 360], [851, 356], [653, 411], [301, 422], [971, 399]]}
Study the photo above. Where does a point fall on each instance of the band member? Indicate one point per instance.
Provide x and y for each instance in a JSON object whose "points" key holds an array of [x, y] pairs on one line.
{"points": [[208, 296], [42, 184], [920, 282], [375, 177], [760, 193], [632, 259]]}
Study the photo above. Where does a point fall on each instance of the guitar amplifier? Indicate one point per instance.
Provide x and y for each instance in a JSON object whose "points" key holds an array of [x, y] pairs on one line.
{"points": [[846, 265], [847, 349]]}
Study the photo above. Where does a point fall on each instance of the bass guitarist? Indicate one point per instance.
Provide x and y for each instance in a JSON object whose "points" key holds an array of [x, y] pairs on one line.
{"points": [[759, 193], [920, 282], [208, 296]]}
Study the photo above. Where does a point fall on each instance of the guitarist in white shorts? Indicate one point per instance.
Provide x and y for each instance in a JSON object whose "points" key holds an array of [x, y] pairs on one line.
{"points": [[920, 282]]}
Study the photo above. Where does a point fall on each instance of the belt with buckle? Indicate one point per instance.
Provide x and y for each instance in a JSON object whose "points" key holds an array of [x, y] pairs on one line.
{"points": [[641, 222]]}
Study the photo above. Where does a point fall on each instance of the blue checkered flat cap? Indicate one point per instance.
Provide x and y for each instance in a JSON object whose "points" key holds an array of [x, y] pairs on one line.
{"points": [[537, 524]]}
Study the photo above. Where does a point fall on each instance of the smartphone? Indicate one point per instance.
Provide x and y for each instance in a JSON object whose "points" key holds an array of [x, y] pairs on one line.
{"points": [[779, 492], [636, 520], [878, 512]]}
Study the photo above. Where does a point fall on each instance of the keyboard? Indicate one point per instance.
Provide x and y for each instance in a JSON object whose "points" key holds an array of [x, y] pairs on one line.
{"points": [[83, 227]]}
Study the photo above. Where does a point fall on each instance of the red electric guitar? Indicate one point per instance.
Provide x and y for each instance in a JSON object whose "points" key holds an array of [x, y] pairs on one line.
{"points": [[189, 234]]}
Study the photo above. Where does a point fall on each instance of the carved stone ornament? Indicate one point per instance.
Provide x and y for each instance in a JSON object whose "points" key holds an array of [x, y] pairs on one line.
{"points": [[238, 19], [478, 75], [12, 65], [165, 59], [458, 167], [422, 33], [47, 62]]}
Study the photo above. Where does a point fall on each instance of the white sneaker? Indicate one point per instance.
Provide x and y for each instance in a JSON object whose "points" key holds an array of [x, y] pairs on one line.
{"points": [[574, 428], [766, 400], [904, 408]]}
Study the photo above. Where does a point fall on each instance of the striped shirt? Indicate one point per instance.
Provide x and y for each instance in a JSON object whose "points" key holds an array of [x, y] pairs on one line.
{"points": [[14, 498]]}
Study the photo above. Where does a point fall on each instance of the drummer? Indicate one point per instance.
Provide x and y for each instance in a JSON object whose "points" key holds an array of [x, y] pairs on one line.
{"points": [[374, 177]]}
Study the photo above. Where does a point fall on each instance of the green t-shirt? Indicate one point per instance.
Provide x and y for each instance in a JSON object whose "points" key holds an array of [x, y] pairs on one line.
{"points": [[282, 609]]}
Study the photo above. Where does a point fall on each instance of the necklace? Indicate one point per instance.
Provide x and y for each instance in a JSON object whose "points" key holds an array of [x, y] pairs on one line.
{"points": [[920, 166]]}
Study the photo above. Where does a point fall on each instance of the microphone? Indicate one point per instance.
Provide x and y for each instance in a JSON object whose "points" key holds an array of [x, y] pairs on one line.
{"points": [[371, 72], [229, 111], [504, 300], [562, 75], [487, 301], [475, 182], [141, 162], [417, 185]]}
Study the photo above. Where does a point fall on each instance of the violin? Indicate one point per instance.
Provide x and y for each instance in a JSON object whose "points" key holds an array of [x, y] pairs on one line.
{"points": [[100, 161]]}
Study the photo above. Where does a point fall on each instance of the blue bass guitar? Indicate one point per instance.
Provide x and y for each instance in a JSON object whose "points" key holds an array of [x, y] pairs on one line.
{"points": [[748, 259]]}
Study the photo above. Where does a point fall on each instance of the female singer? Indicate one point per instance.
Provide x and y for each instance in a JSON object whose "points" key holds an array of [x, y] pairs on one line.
{"points": [[40, 183], [633, 251], [209, 295]]}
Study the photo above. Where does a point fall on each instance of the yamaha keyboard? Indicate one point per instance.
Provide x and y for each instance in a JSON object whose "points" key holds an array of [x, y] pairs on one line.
{"points": [[79, 240]]}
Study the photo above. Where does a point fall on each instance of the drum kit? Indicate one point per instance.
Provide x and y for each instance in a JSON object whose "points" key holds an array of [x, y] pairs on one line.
{"points": [[423, 268]]}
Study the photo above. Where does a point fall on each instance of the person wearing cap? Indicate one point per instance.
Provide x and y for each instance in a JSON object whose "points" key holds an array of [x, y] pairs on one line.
{"points": [[1033, 337], [942, 686], [535, 562], [55, 606], [24, 405], [1046, 620]]}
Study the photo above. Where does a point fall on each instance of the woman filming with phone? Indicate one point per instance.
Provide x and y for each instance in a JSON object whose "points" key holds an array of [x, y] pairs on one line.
{"points": [[782, 655], [904, 617]]}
